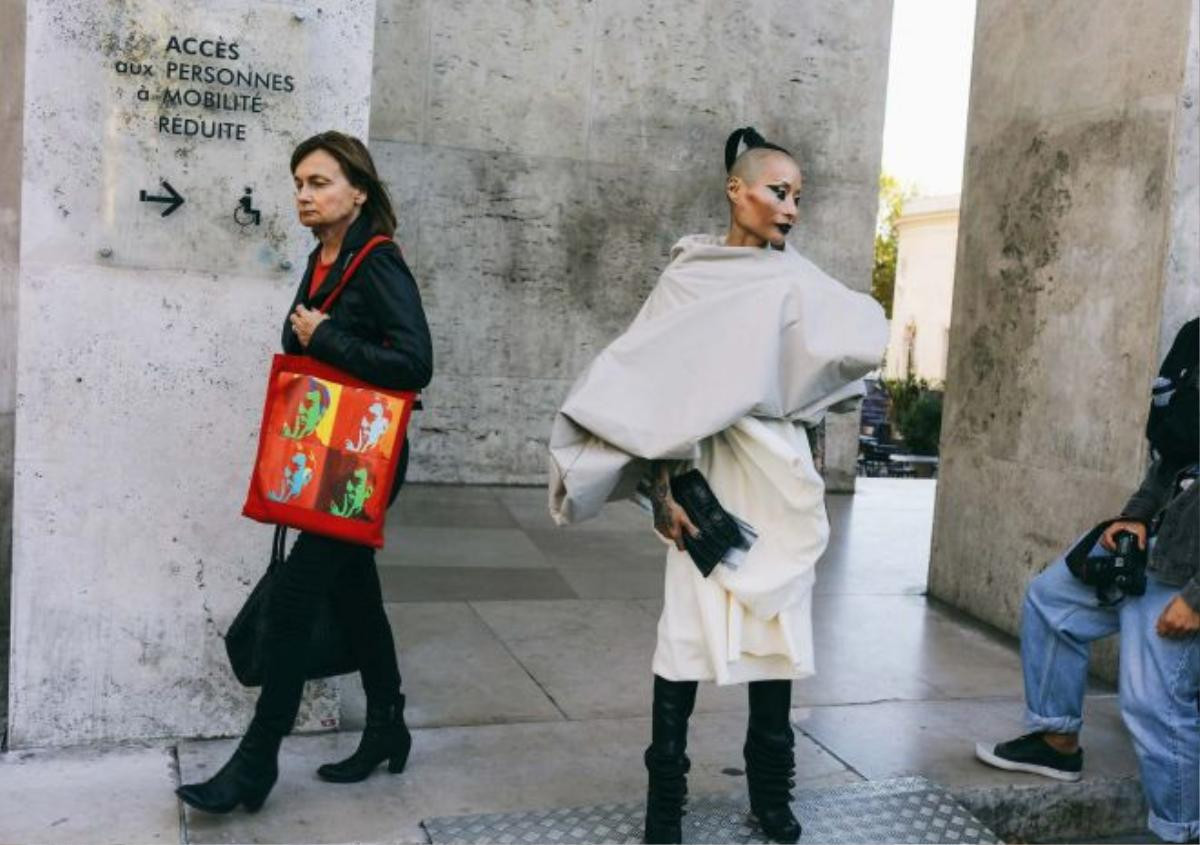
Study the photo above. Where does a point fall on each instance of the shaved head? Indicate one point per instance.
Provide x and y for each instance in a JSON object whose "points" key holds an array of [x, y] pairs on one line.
{"points": [[750, 164]]}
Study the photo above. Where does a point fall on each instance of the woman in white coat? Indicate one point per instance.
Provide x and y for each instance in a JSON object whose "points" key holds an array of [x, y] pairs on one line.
{"points": [[742, 344]]}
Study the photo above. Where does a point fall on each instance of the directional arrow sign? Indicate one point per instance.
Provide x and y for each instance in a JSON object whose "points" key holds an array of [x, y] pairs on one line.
{"points": [[173, 201]]}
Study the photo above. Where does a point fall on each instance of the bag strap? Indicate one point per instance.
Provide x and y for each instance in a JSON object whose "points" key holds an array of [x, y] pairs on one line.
{"points": [[278, 546], [349, 271], [377, 240], [1077, 557]]}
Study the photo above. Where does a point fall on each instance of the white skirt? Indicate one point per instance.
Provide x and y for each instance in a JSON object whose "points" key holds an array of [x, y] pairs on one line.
{"points": [[753, 623]]}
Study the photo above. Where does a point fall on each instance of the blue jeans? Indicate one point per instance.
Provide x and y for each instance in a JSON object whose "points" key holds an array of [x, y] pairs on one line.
{"points": [[1159, 684]]}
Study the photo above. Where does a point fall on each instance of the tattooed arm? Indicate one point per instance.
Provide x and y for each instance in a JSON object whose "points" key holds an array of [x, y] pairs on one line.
{"points": [[670, 520]]}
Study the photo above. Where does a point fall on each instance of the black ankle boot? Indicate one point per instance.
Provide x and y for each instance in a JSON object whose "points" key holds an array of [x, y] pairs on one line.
{"points": [[385, 737], [666, 760], [770, 760], [246, 779]]}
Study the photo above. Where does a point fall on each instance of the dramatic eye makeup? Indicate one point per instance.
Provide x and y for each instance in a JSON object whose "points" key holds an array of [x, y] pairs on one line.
{"points": [[780, 190]]}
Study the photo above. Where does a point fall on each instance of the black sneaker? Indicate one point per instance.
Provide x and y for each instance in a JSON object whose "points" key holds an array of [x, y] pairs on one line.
{"points": [[1031, 753]]}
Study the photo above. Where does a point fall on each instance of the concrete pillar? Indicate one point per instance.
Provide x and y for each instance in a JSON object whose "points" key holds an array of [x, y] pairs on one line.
{"points": [[145, 333], [545, 157], [1181, 282], [12, 103], [1077, 260]]}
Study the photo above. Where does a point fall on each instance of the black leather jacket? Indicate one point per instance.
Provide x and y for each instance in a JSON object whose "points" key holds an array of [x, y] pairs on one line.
{"points": [[376, 329]]}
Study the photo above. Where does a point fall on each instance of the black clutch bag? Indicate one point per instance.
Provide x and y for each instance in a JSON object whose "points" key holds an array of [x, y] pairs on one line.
{"points": [[328, 651], [719, 532]]}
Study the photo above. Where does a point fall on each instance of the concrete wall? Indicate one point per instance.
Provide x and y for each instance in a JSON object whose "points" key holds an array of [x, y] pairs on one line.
{"points": [[12, 101], [1080, 133], [927, 235], [1181, 293], [144, 342], [545, 156]]}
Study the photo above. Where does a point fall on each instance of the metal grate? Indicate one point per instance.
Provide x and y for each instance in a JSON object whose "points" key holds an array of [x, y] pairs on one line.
{"points": [[888, 811]]}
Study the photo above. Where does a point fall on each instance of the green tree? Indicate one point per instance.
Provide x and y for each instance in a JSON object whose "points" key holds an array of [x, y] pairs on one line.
{"points": [[915, 409], [903, 393], [921, 424], [892, 196]]}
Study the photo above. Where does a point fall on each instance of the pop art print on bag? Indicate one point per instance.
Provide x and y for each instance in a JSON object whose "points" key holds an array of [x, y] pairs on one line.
{"points": [[321, 467], [349, 487], [291, 472], [306, 410], [367, 422]]}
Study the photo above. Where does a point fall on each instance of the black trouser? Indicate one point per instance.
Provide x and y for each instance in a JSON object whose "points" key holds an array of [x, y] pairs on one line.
{"points": [[770, 712], [319, 566]]}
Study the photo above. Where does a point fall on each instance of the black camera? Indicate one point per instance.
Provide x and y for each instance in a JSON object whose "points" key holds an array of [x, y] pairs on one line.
{"points": [[1120, 574], [1129, 565]]}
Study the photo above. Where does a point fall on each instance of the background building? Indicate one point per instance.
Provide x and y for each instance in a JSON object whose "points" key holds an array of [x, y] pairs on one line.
{"points": [[926, 235]]}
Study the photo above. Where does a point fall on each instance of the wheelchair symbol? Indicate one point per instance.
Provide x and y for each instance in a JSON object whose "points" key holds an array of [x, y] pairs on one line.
{"points": [[246, 214]]}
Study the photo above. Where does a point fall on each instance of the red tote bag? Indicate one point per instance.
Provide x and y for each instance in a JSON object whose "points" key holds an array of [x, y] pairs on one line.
{"points": [[329, 446]]}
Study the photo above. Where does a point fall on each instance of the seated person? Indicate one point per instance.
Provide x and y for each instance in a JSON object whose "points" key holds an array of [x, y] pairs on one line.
{"points": [[1160, 646]]}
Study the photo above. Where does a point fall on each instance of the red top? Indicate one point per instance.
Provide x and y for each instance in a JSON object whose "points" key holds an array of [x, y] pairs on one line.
{"points": [[320, 271]]}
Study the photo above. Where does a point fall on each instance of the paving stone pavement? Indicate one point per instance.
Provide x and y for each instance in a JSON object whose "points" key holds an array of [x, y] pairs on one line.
{"points": [[525, 651]]}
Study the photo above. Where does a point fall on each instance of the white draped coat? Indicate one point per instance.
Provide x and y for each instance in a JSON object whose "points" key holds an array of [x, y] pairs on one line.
{"points": [[735, 350]]}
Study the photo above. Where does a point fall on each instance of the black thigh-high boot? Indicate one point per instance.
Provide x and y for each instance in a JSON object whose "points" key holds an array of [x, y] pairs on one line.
{"points": [[246, 779], [770, 761], [666, 759]]}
